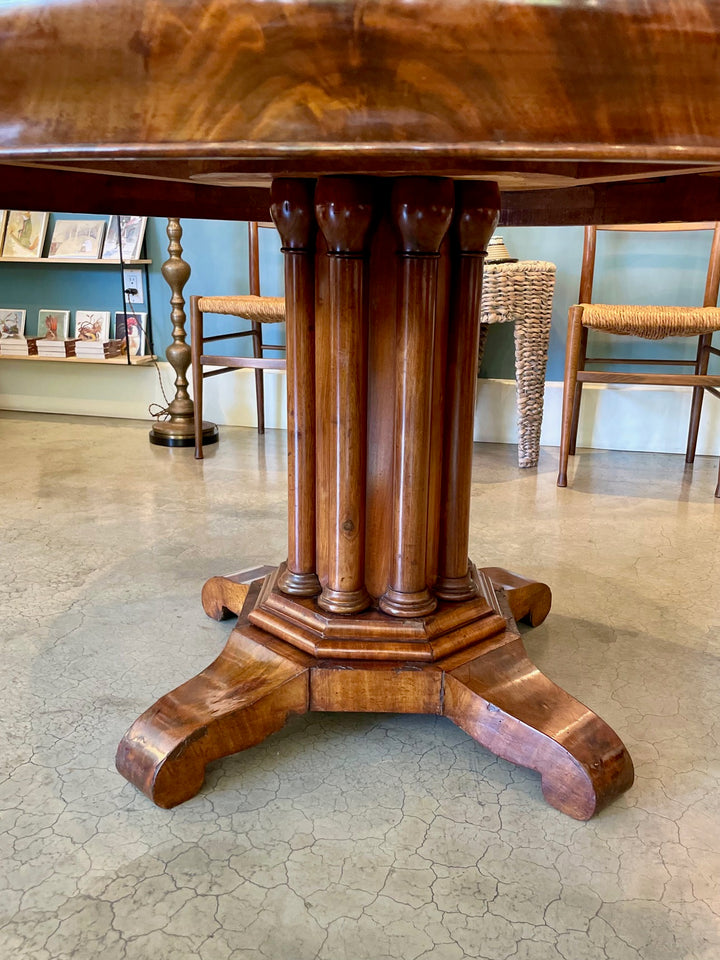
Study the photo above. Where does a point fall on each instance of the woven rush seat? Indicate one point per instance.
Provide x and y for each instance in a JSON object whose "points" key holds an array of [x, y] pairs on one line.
{"points": [[650, 322], [247, 307]]}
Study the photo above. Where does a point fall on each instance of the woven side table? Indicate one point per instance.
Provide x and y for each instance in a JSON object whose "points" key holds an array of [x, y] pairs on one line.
{"points": [[522, 293]]}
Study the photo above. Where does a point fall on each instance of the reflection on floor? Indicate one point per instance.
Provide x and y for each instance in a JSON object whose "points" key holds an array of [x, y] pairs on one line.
{"points": [[346, 837]]}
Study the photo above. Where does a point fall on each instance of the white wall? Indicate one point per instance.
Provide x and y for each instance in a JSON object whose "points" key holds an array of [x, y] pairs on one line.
{"points": [[614, 417]]}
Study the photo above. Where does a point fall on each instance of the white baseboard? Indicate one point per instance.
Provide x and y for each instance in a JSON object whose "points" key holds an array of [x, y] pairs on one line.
{"points": [[613, 417]]}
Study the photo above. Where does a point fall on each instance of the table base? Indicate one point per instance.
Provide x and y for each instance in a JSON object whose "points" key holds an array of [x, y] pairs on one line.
{"points": [[489, 688]]}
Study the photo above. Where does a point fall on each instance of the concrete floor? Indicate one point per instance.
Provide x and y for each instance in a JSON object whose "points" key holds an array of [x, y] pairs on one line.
{"points": [[346, 837]]}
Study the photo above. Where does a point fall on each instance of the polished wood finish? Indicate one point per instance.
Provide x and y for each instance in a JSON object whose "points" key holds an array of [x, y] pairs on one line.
{"points": [[39, 187], [404, 78], [373, 635], [293, 214], [473, 89], [421, 211], [90, 186], [345, 215], [477, 209], [528, 599], [180, 428], [247, 693], [490, 689], [404, 621], [224, 597], [576, 355], [503, 701]]}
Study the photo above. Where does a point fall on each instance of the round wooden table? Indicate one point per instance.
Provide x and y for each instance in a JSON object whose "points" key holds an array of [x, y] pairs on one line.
{"points": [[388, 131]]}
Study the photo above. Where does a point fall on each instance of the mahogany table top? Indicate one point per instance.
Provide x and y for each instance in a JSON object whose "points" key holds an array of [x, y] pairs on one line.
{"points": [[569, 100]]}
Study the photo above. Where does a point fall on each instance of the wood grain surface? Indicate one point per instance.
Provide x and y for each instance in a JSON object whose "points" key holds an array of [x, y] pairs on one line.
{"points": [[490, 688], [627, 79]]}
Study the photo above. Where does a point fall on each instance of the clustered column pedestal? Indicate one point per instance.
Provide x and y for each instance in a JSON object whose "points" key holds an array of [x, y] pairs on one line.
{"points": [[378, 607]]}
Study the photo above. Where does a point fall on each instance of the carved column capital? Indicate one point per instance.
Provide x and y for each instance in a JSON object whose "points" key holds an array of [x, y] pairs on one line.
{"points": [[477, 211], [421, 209], [292, 208], [345, 210]]}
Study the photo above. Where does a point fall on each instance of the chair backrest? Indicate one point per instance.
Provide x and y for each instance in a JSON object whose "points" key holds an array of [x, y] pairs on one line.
{"points": [[254, 254], [712, 281]]}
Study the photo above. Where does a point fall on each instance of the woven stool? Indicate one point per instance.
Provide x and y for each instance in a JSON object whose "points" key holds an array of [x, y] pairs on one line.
{"points": [[522, 293]]}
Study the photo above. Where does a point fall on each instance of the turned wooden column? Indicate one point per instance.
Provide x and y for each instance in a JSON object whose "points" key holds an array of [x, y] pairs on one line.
{"points": [[345, 212], [477, 208], [421, 211], [179, 430], [392, 389], [292, 210]]}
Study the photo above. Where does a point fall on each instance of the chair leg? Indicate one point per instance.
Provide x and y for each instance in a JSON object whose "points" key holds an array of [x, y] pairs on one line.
{"points": [[196, 336], [570, 399], [578, 392], [701, 365], [717, 488], [259, 382]]}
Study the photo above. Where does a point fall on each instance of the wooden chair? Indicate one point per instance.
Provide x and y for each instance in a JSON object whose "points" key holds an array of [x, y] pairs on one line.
{"points": [[649, 322], [257, 310]]}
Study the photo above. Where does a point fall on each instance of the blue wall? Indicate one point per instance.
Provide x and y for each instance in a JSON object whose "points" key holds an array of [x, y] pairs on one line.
{"points": [[216, 250], [666, 268]]}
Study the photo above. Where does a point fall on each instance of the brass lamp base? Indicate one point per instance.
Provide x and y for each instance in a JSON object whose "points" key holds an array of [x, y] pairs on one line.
{"points": [[169, 434]]}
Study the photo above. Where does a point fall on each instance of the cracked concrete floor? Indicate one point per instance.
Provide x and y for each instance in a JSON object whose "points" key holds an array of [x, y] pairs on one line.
{"points": [[346, 837]]}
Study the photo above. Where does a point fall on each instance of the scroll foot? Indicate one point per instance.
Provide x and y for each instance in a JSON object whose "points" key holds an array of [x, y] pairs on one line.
{"points": [[529, 600], [241, 698], [503, 701], [223, 597]]}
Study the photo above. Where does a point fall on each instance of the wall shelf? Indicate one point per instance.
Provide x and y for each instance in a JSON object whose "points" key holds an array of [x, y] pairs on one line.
{"points": [[77, 260], [117, 361]]}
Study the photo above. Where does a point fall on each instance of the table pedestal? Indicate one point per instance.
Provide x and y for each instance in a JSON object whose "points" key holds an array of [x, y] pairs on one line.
{"points": [[378, 607]]}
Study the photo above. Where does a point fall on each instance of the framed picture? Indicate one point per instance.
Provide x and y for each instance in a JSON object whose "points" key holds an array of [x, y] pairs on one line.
{"points": [[76, 239], [3, 219], [124, 235], [24, 234], [12, 324], [92, 325], [131, 333], [53, 324]]}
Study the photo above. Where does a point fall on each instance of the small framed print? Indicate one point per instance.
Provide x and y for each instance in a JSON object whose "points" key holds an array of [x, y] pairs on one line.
{"points": [[76, 239], [3, 220], [12, 324], [130, 328], [124, 238], [24, 234], [53, 324], [92, 325]]}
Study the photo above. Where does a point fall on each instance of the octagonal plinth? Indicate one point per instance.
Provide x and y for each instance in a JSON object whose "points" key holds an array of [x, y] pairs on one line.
{"points": [[450, 628]]}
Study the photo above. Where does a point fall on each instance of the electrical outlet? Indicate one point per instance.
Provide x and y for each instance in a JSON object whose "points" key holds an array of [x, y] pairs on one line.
{"points": [[132, 280]]}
